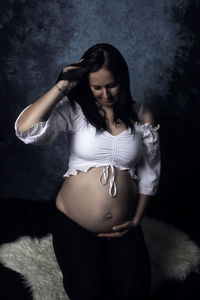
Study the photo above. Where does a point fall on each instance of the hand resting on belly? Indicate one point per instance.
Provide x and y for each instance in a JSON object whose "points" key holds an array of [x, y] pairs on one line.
{"points": [[88, 203]]}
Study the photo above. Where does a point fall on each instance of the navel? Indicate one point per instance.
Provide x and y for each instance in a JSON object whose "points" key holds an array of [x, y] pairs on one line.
{"points": [[109, 216]]}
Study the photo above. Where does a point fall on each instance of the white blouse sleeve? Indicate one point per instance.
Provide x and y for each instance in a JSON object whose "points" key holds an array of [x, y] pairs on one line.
{"points": [[149, 167], [43, 133]]}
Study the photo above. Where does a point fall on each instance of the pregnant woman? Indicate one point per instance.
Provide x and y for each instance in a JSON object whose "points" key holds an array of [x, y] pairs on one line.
{"points": [[114, 169]]}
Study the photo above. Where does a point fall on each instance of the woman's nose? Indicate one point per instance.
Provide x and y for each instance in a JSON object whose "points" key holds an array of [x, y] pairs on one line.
{"points": [[106, 93]]}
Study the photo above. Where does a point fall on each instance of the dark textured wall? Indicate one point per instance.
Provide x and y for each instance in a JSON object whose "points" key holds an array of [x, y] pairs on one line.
{"points": [[159, 40]]}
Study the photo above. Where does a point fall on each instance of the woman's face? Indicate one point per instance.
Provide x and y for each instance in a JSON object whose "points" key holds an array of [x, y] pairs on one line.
{"points": [[104, 87]]}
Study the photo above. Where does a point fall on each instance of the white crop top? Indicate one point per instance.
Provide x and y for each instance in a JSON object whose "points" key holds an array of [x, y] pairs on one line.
{"points": [[139, 153]]}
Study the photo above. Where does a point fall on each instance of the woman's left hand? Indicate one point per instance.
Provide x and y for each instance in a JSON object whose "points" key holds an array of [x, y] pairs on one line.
{"points": [[120, 230]]}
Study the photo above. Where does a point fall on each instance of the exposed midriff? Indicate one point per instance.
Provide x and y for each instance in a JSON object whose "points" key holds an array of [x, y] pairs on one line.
{"points": [[84, 200]]}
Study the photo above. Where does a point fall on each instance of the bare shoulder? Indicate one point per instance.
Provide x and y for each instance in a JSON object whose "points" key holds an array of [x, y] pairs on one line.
{"points": [[147, 115], [136, 107]]}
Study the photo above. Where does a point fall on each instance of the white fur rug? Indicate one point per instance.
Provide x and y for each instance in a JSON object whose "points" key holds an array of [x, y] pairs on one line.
{"points": [[173, 256]]}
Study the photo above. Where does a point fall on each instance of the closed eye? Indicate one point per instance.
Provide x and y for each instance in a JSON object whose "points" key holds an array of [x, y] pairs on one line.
{"points": [[112, 85]]}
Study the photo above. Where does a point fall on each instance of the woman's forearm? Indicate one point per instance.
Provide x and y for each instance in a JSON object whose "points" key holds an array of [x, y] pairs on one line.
{"points": [[40, 108], [142, 204]]}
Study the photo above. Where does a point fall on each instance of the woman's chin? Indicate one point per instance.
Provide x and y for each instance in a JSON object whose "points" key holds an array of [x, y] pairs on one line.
{"points": [[106, 103]]}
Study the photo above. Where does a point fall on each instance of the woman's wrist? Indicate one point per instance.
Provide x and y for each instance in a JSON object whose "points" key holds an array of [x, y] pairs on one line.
{"points": [[136, 220], [60, 90], [63, 87]]}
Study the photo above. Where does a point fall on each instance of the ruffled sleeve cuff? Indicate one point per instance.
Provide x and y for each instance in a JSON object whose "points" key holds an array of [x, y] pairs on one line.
{"points": [[149, 167], [41, 133]]}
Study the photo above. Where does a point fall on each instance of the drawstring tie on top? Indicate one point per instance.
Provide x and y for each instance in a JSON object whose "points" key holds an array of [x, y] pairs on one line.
{"points": [[112, 179]]}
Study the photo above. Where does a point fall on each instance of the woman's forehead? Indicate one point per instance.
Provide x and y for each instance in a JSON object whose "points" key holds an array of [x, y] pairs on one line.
{"points": [[101, 77]]}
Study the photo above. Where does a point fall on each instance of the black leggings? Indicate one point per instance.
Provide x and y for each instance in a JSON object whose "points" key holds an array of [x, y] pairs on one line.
{"points": [[99, 268]]}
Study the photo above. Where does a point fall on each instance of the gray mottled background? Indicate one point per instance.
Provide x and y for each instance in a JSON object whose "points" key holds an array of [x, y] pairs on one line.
{"points": [[159, 40]]}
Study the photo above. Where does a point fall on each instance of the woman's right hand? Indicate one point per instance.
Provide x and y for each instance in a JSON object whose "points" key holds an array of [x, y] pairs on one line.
{"points": [[72, 67], [68, 84]]}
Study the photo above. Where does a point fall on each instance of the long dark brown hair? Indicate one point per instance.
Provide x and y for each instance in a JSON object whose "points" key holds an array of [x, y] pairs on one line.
{"points": [[99, 56]]}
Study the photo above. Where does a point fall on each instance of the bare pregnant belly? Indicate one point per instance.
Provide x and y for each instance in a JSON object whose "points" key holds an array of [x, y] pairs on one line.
{"points": [[84, 200]]}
